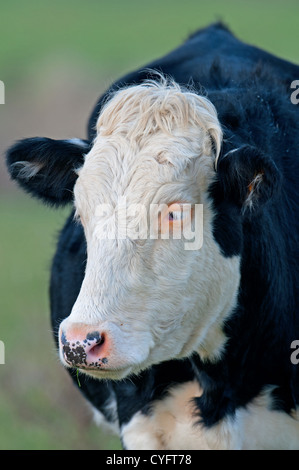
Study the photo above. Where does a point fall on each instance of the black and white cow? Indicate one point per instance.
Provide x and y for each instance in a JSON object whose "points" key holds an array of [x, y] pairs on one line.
{"points": [[200, 338]]}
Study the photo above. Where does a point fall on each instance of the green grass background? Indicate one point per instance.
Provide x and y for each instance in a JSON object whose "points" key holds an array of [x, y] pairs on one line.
{"points": [[95, 41]]}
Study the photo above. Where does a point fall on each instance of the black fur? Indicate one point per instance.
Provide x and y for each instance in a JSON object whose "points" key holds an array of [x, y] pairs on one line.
{"points": [[56, 162]]}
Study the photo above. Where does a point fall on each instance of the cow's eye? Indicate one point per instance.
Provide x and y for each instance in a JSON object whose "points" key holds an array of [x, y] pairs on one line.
{"points": [[178, 212], [175, 215]]}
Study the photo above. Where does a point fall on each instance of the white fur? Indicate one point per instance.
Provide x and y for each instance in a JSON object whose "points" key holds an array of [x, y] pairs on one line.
{"points": [[154, 300], [170, 424], [173, 424], [268, 429]]}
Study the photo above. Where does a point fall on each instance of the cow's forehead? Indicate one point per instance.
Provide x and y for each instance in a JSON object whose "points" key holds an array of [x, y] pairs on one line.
{"points": [[123, 155], [161, 172], [140, 112], [148, 137]]}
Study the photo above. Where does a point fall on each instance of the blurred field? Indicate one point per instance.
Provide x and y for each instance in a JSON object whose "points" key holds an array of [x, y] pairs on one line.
{"points": [[55, 59]]}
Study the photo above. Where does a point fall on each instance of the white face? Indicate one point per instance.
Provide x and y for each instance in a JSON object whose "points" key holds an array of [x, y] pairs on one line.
{"points": [[146, 301]]}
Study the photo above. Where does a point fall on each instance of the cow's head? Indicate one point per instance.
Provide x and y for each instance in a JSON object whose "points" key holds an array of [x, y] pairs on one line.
{"points": [[147, 297]]}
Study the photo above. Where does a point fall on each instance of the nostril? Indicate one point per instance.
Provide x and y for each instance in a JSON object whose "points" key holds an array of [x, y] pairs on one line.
{"points": [[96, 349]]}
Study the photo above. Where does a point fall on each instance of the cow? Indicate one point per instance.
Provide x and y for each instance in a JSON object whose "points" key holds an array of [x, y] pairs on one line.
{"points": [[180, 347]]}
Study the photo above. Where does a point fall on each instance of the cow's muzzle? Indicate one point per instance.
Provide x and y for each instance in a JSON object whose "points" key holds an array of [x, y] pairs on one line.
{"points": [[84, 347]]}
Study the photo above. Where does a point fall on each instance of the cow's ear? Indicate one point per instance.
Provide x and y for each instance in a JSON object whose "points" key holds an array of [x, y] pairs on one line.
{"points": [[248, 178], [46, 168]]}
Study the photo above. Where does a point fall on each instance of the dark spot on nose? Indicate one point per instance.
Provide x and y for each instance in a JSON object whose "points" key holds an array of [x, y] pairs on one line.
{"points": [[75, 356], [104, 360], [63, 338], [93, 336]]}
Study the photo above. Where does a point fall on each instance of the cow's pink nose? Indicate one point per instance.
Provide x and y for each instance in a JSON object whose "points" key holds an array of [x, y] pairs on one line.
{"points": [[86, 350]]}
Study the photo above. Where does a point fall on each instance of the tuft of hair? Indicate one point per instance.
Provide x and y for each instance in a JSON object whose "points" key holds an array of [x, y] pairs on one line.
{"points": [[161, 104]]}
